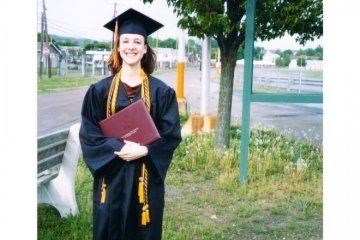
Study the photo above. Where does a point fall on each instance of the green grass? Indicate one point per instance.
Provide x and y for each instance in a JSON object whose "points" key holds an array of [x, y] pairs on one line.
{"points": [[314, 74], [55, 84], [296, 72], [204, 200]]}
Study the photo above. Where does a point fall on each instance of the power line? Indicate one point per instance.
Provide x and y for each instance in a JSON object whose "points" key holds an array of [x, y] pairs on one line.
{"points": [[57, 26], [71, 29]]}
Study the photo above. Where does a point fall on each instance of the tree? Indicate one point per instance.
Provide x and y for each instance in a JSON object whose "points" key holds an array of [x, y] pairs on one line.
{"points": [[100, 46], [319, 53], [310, 52], [67, 42], [284, 59], [193, 50], [152, 42], [224, 20], [288, 52], [259, 53], [300, 52], [168, 43], [240, 53], [301, 62]]}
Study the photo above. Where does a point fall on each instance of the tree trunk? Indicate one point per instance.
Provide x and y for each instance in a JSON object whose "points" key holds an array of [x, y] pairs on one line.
{"points": [[228, 63]]}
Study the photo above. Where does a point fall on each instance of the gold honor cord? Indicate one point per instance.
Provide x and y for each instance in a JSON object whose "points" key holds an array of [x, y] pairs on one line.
{"points": [[103, 191], [110, 110]]}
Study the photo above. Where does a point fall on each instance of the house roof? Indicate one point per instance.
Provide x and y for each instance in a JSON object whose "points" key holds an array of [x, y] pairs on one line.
{"points": [[52, 47]]}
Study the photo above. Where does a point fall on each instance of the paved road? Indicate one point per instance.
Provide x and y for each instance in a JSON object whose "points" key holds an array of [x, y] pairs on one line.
{"points": [[60, 110]]}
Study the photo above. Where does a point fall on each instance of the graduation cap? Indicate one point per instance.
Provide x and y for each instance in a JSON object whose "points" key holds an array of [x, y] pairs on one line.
{"points": [[134, 22]]}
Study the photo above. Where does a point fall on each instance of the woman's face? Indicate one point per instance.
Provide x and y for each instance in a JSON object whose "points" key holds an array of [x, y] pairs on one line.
{"points": [[132, 48]]}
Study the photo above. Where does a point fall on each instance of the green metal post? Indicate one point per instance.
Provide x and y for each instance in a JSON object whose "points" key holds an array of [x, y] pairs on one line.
{"points": [[249, 96], [286, 98], [247, 88]]}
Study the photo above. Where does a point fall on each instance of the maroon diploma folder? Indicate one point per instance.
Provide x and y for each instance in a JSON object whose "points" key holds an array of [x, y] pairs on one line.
{"points": [[132, 123]]}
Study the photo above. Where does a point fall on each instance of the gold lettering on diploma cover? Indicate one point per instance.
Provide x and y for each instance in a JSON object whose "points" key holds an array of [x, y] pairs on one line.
{"points": [[128, 134]]}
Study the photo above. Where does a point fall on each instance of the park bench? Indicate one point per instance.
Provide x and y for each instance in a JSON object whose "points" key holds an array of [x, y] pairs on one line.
{"points": [[58, 155]]}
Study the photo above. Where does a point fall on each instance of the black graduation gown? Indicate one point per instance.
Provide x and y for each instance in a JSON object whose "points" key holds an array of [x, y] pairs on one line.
{"points": [[119, 216]]}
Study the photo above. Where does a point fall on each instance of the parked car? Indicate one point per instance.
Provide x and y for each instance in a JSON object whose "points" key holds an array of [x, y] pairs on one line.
{"points": [[72, 66]]}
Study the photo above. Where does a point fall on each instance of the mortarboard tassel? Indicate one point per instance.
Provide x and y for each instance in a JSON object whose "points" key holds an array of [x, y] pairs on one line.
{"points": [[141, 190], [145, 216], [114, 59], [103, 191], [116, 45], [143, 198], [116, 31]]}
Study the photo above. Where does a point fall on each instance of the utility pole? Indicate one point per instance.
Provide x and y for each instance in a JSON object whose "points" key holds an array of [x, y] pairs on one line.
{"points": [[205, 76], [113, 35], [180, 67], [115, 9], [180, 73], [47, 42], [41, 45]]}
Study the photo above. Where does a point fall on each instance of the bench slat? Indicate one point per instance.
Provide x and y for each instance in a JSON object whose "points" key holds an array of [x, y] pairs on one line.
{"points": [[53, 137], [51, 149], [42, 179], [50, 162]]}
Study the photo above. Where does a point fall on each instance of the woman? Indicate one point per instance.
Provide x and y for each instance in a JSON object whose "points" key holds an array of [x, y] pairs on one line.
{"points": [[128, 190]]}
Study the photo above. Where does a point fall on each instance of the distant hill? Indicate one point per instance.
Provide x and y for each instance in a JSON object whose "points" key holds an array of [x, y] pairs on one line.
{"points": [[77, 41]]}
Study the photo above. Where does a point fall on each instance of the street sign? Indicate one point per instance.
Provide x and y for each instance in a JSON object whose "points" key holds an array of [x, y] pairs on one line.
{"points": [[46, 51]]}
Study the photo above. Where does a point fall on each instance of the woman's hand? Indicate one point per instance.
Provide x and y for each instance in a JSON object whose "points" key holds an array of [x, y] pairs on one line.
{"points": [[132, 151]]}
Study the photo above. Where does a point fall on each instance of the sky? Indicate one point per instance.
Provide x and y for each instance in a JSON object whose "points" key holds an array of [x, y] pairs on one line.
{"points": [[85, 19]]}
